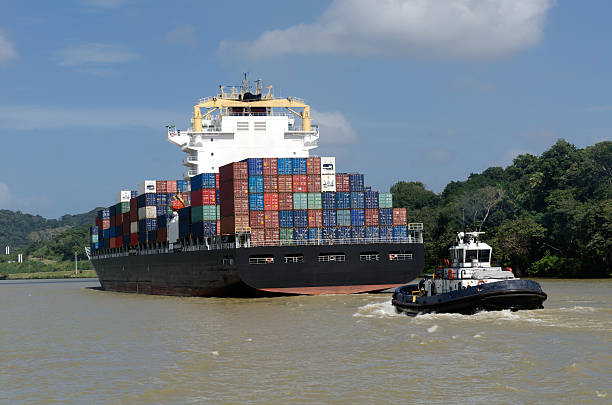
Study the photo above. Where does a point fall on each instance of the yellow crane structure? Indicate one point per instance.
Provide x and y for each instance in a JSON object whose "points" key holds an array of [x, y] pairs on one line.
{"points": [[223, 102]]}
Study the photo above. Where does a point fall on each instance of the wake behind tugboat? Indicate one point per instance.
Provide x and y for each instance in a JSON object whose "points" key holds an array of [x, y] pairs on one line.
{"points": [[469, 284]]}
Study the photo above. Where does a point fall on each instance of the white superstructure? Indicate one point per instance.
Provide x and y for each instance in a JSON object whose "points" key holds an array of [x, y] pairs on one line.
{"points": [[240, 124]]}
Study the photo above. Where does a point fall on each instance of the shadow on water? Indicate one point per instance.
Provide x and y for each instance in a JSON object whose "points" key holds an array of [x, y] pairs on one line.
{"points": [[47, 281]]}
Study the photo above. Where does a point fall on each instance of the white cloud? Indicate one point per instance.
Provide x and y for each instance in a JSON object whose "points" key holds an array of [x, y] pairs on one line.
{"points": [[25, 117], [334, 129], [182, 35], [94, 55], [7, 49], [408, 28]]}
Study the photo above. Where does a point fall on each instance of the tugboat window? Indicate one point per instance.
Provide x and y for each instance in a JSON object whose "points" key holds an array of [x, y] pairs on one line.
{"points": [[261, 259], [294, 258], [483, 255], [369, 256], [332, 257], [471, 255]]}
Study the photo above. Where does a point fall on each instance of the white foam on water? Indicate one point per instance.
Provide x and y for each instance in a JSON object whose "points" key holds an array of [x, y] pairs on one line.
{"points": [[432, 329], [578, 308], [377, 310], [477, 336], [214, 353], [601, 394]]}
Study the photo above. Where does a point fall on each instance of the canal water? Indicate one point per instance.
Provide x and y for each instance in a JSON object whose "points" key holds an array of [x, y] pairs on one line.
{"points": [[67, 342]]}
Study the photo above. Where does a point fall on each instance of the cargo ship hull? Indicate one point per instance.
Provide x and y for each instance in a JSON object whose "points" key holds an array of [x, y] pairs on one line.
{"points": [[255, 271]]}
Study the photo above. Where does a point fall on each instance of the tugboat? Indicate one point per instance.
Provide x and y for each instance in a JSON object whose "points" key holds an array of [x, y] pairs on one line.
{"points": [[468, 284]]}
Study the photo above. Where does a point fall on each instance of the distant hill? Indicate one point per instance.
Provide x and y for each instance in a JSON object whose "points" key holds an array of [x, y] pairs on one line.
{"points": [[19, 230]]}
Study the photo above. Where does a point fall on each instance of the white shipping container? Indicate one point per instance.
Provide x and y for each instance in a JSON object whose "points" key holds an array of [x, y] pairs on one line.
{"points": [[147, 186], [328, 182], [124, 196], [328, 166], [173, 228], [134, 227], [147, 212]]}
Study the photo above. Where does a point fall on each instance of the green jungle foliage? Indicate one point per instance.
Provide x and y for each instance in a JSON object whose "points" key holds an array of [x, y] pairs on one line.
{"points": [[18, 230], [546, 216]]}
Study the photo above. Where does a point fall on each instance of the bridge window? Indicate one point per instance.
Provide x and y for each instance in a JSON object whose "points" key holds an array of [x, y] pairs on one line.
{"points": [[242, 126], [484, 255], [332, 257], [259, 126], [369, 256], [471, 255], [261, 259], [400, 255], [294, 258]]}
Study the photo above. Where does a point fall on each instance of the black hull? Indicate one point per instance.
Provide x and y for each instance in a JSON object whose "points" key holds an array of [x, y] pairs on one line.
{"points": [[514, 295], [230, 272]]}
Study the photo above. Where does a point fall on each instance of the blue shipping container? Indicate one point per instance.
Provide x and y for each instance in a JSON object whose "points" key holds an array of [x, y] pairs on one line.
{"points": [[147, 200], [256, 202], [357, 217], [182, 186], [201, 181], [400, 231], [328, 200], [113, 231], [184, 229], [126, 240], [285, 219], [256, 184], [358, 232], [343, 200], [372, 232], [386, 232], [344, 218], [104, 214], [285, 166], [161, 199], [93, 230], [106, 243], [356, 182], [106, 234], [314, 233], [184, 214], [300, 218], [329, 218], [255, 166], [147, 237], [149, 224], [162, 221], [161, 210], [299, 165], [385, 216], [371, 199], [328, 233], [343, 233], [300, 234], [357, 200], [204, 229]]}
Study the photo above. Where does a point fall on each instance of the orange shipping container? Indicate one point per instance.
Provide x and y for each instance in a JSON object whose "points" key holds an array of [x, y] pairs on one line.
{"points": [[271, 201], [343, 183], [300, 183], [315, 218], [270, 219], [171, 186], [371, 217], [232, 224], [272, 236], [285, 201], [270, 167], [161, 186], [314, 183], [134, 239], [399, 216], [313, 165], [270, 184], [258, 235], [256, 219]]}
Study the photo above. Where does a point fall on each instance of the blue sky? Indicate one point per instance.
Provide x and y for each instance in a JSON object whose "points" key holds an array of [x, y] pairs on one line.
{"points": [[412, 90]]}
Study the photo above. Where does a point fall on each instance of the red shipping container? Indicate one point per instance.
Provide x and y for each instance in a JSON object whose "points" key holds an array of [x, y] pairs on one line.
{"points": [[126, 227], [270, 219], [256, 219], [134, 215], [230, 207], [126, 218], [98, 223], [134, 204], [399, 216], [285, 201], [313, 165], [272, 236], [270, 184], [343, 183], [171, 186], [371, 217], [218, 228], [235, 170], [232, 224], [314, 183], [300, 183], [285, 183], [161, 186], [113, 221], [315, 218], [203, 197], [119, 242], [270, 167], [258, 236], [106, 224], [162, 235], [271, 201], [217, 183], [113, 243]]}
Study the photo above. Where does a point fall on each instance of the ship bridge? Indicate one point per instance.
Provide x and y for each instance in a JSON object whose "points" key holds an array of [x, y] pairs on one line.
{"points": [[243, 123]]}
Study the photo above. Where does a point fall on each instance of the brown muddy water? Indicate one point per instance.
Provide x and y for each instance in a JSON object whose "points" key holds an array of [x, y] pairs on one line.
{"points": [[64, 342]]}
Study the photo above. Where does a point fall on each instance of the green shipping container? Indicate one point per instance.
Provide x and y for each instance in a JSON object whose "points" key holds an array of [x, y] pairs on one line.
{"points": [[385, 200], [343, 217], [203, 213], [122, 207], [300, 201], [218, 212], [286, 236], [314, 201]]}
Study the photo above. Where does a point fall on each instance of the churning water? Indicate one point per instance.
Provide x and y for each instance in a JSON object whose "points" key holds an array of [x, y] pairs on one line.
{"points": [[66, 342]]}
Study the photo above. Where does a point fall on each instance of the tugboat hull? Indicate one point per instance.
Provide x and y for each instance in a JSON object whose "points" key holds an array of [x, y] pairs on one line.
{"points": [[510, 294]]}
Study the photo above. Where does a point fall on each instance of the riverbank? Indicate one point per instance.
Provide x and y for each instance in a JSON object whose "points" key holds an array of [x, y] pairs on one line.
{"points": [[44, 275]]}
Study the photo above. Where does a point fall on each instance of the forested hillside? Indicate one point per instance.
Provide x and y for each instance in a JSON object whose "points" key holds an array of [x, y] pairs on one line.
{"points": [[18, 229], [544, 216]]}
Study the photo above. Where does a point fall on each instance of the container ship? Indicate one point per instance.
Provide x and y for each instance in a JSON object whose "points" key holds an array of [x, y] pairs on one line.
{"points": [[255, 214]]}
